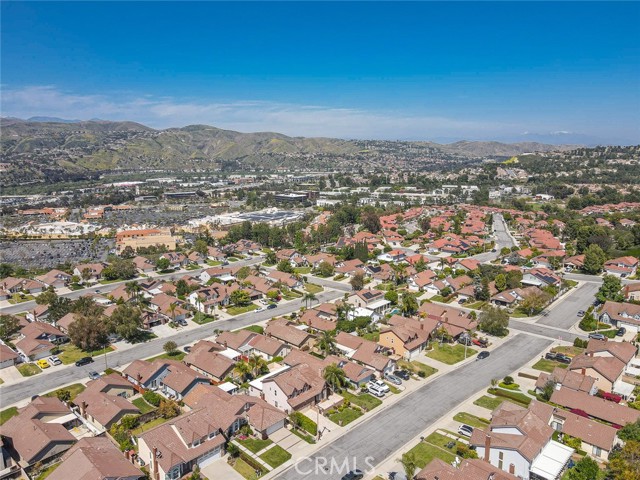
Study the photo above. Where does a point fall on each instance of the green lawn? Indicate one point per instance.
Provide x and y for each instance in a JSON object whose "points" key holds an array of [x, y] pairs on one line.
{"points": [[71, 354], [255, 328], [364, 400], [255, 444], [200, 318], [107, 282], [313, 288], [569, 350], [438, 298], [392, 388], [449, 354], [424, 452], [7, 414], [548, 365], [304, 436], [177, 355], [75, 390], [346, 416], [48, 471], [244, 469], [441, 441], [213, 263], [302, 270], [417, 367], [476, 305], [28, 369], [148, 426], [240, 310], [373, 336], [142, 405], [464, 417], [275, 456], [516, 397], [489, 403]]}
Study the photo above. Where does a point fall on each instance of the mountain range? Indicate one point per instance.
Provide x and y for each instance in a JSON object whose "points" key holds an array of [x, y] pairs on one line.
{"points": [[44, 148]]}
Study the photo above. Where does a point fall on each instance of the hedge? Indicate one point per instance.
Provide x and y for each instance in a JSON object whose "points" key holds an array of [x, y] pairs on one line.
{"points": [[305, 423], [518, 397]]}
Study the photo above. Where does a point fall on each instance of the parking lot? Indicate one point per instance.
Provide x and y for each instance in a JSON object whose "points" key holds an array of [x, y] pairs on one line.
{"points": [[47, 254]]}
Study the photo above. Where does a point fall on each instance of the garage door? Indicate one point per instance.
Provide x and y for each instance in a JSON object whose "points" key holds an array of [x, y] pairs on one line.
{"points": [[208, 457], [274, 428]]}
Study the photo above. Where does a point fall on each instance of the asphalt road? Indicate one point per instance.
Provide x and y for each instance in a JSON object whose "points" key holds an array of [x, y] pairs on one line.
{"points": [[55, 377], [502, 239], [389, 430], [564, 314], [106, 288]]}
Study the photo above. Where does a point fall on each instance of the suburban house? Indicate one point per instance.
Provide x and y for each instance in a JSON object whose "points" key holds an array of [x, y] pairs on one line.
{"points": [[171, 308], [621, 267], [95, 457], [541, 277], [104, 403], [595, 407], [287, 279], [176, 259], [37, 339], [631, 292], [454, 320], [89, 272], [295, 388], [40, 431], [605, 361], [370, 299], [55, 278], [206, 358], [621, 315], [206, 299], [519, 441], [358, 375], [407, 337], [469, 469], [8, 357], [365, 352], [563, 377], [143, 264], [13, 285], [420, 280], [290, 334], [172, 378], [573, 263]]}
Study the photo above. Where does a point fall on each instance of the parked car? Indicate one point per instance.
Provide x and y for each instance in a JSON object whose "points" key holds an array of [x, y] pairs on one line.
{"points": [[356, 474], [375, 390], [482, 355], [42, 363], [621, 331], [380, 384], [84, 361], [597, 336], [187, 349], [465, 340], [551, 356], [271, 306], [94, 375], [403, 374], [53, 361], [264, 301], [393, 379], [581, 313], [465, 430], [462, 300], [480, 342], [183, 322], [562, 358]]}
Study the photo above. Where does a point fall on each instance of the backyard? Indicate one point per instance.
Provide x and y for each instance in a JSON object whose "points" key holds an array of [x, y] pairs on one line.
{"points": [[143, 406], [450, 354]]}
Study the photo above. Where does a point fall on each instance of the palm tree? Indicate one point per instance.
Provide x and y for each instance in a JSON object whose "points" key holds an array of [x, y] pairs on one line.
{"points": [[308, 298], [400, 271], [133, 290], [256, 364], [172, 310], [408, 462], [327, 344], [335, 377], [409, 304], [242, 369]]}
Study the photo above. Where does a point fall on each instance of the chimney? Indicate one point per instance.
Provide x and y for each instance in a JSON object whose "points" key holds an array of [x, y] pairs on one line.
{"points": [[154, 462], [487, 447], [512, 469]]}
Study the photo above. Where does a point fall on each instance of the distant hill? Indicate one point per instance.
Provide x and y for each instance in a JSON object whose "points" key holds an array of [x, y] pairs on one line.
{"points": [[51, 119], [44, 150]]}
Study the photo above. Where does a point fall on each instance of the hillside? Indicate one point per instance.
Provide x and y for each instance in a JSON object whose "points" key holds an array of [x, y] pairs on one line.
{"points": [[53, 151]]}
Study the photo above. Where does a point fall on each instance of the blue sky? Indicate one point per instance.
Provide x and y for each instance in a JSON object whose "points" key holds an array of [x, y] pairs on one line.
{"points": [[358, 70]]}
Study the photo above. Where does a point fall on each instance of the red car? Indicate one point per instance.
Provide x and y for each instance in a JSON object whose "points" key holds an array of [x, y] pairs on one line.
{"points": [[479, 343]]}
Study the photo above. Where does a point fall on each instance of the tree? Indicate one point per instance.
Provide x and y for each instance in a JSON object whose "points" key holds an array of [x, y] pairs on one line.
{"points": [[168, 409], [326, 343], [63, 395], [325, 269], [240, 298], [284, 266], [59, 308], [126, 321], [357, 281], [594, 258], [270, 257], [548, 389], [257, 364], [408, 462], [86, 274], [514, 279], [195, 473], [630, 431], [88, 333], [47, 297], [409, 304], [128, 252], [482, 292], [624, 463], [133, 289], [9, 325], [182, 288], [501, 282], [391, 296], [163, 263], [585, 469], [370, 220], [201, 246], [494, 321], [242, 369], [610, 289], [420, 265], [309, 298], [120, 268], [170, 347], [535, 301], [335, 377]]}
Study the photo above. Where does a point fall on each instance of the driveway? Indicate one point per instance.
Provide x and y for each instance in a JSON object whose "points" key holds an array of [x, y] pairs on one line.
{"points": [[379, 437], [221, 470]]}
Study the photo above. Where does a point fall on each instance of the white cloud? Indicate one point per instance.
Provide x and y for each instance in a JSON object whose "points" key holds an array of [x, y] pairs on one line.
{"points": [[245, 115]]}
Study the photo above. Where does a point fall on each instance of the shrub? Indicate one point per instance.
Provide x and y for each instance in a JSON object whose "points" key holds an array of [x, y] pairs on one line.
{"points": [[129, 422], [152, 398], [579, 343], [507, 380], [304, 422], [464, 451], [109, 371]]}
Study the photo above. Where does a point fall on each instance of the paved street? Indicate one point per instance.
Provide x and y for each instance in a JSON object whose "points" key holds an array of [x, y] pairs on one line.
{"points": [[502, 239], [564, 313], [59, 376], [383, 434]]}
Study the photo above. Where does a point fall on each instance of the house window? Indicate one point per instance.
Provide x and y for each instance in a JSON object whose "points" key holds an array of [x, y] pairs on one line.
{"points": [[500, 459], [197, 442], [597, 451], [212, 434]]}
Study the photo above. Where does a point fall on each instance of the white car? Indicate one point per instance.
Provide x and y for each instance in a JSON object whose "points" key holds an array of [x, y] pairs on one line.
{"points": [[373, 389], [53, 361], [379, 384], [465, 430]]}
